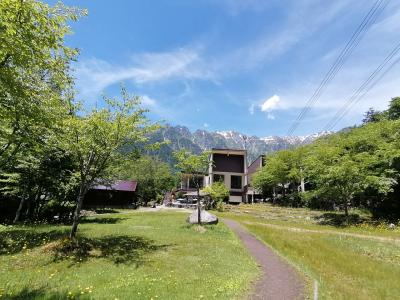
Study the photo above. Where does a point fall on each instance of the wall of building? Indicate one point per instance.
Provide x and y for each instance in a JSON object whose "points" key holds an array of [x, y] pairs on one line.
{"points": [[229, 164]]}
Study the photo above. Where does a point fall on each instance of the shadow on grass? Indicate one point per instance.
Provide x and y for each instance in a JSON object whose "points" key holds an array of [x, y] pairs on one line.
{"points": [[42, 293], [106, 211], [15, 241], [101, 220], [121, 249], [339, 220]]}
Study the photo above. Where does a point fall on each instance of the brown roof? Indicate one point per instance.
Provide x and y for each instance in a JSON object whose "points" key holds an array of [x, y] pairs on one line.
{"points": [[121, 185]]}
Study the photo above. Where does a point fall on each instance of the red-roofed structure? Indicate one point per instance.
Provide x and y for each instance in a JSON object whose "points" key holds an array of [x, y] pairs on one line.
{"points": [[120, 194], [126, 186]]}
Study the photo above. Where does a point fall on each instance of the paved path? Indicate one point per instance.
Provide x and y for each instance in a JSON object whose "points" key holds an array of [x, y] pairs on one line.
{"points": [[279, 280]]}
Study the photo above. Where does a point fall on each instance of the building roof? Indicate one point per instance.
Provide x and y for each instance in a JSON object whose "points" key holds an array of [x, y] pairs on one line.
{"points": [[120, 185], [233, 151]]}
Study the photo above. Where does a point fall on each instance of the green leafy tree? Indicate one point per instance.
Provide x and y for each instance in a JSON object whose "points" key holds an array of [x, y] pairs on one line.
{"points": [[193, 165], [35, 84], [372, 116], [218, 193], [281, 168], [94, 141], [394, 109], [154, 177]]}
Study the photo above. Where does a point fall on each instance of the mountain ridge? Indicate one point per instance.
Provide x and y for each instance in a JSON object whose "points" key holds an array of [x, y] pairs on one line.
{"points": [[180, 137]]}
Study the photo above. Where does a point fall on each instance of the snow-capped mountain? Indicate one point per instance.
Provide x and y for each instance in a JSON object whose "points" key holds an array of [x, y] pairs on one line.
{"points": [[180, 137]]}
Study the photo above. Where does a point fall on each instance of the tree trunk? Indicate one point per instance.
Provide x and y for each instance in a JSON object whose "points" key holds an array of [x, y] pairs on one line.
{"points": [[346, 212], [273, 195], [75, 223], [18, 213]]}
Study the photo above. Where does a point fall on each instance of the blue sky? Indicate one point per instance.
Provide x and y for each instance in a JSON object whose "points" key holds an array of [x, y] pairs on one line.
{"points": [[241, 65]]}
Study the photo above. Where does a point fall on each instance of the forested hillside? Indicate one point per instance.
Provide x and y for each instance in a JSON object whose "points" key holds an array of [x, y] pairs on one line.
{"points": [[356, 168]]}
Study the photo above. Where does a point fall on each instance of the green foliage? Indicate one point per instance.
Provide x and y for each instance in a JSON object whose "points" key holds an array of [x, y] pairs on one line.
{"points": [[218, 193], [94, 140], [394, 109], [373, 116], [35, 84], [282, 168], [154, 177], [192, 164], [35, 98], [360, 167]]}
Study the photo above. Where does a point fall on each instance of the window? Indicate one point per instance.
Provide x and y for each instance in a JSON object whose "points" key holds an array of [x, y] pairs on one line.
{"points": [[218, 178], [236, 182]]}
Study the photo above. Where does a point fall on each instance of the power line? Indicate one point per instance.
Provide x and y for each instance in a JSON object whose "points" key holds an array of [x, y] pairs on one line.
{"points": [[355, 39], [368, 84]]}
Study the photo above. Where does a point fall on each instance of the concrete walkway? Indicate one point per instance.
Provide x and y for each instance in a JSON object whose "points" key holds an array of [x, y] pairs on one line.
{"points": [[279, 280]]}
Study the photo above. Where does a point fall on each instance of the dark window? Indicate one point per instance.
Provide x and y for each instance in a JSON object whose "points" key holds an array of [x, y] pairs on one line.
{"points": [[236, 182], [218, 178]]}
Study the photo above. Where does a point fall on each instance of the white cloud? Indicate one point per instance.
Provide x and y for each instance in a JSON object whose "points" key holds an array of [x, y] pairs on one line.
{"points": [[310, 16], [206, 125], [147, 101], [251, 109], [270, 104], [94, 75]]}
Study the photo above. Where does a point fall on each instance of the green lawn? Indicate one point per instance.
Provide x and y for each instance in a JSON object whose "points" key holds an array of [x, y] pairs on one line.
{"points": [[129, 255], [355, 262]]}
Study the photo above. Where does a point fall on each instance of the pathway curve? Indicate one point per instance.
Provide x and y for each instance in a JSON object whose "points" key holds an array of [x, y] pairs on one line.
{"points": [[279, 280]]}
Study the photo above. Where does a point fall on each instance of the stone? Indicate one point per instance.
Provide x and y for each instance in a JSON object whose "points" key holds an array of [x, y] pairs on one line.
{"points": [[206, 218]]}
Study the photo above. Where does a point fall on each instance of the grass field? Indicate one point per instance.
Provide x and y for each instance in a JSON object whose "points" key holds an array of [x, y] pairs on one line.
{"points": [[129, 255], [361, 261]]}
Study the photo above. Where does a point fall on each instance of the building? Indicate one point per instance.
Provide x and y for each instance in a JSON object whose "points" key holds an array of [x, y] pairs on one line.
{"points": [[121, 194], [229, 166]]}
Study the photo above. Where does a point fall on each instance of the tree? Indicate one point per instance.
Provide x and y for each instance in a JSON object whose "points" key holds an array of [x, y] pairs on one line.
{"points": [[35, 84], [43, 175], [154, 177], [372, 116], [94, 141], [394, 109], [341, 182], [218, 193], [193, 165], [281, 168]]}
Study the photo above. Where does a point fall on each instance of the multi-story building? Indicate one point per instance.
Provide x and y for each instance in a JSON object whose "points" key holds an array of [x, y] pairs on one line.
{"points": [[229, 166]]}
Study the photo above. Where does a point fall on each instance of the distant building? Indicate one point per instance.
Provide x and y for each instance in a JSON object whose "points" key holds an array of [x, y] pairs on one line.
{"points": [[229, 166], [120, 194]]}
